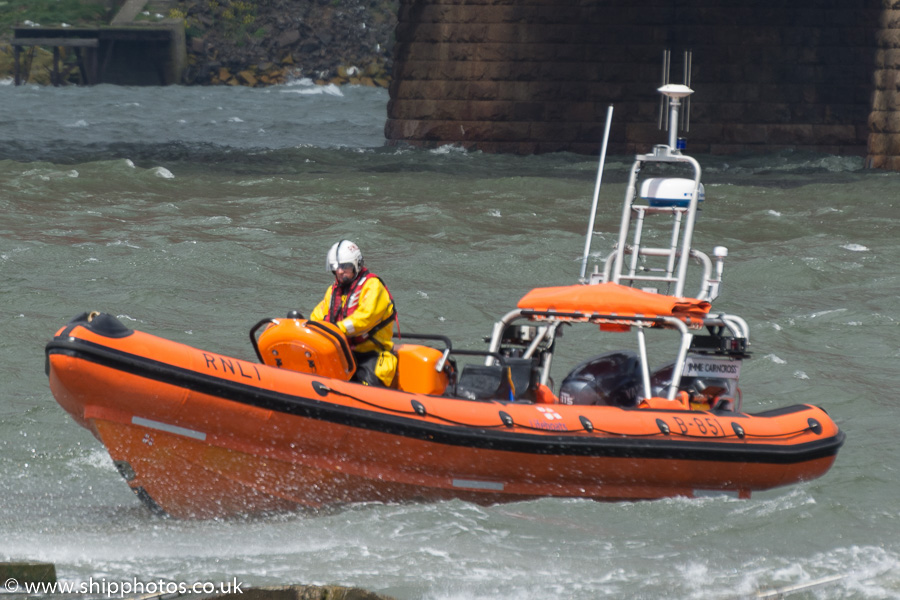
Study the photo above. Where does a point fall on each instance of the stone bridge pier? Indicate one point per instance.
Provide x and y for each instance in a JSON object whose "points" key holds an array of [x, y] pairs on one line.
{"points": [[532, 76]]}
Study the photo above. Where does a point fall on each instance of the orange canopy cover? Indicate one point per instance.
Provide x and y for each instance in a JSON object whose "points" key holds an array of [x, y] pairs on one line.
{"points": [[612, 299]]}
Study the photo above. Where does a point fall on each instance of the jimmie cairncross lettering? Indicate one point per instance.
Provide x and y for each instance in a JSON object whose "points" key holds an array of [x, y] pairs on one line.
{"points": [[703, 366]]}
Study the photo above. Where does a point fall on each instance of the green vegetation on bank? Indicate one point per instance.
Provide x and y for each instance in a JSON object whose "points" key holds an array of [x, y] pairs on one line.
{"points": [[230, 42], [49, 13]]}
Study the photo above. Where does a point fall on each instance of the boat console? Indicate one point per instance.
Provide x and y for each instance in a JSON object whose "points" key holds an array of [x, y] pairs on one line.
{"points": [[640, 287]]}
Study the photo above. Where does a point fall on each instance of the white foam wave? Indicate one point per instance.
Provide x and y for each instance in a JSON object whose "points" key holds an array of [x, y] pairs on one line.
{"points": [[97, 458], [767, 508], [823, 313], [776, 359], [124, 243], [855, 247], [308, 88], [47, 174], [837, 164], [449, 149], [162, 172]]}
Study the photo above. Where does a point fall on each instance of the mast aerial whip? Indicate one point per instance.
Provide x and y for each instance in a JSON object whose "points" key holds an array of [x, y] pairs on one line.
{"points": [[590, 230]]}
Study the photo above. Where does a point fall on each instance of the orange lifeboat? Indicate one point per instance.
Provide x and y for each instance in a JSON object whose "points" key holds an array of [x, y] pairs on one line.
{"points": [[199, 434]]}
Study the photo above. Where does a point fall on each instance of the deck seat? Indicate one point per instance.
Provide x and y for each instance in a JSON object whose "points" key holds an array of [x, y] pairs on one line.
{"points": [[516, 379]]}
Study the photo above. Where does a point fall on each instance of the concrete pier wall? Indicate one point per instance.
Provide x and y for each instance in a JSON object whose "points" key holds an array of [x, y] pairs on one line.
{"points": [[530, 76], [884, 120], [143, 54]]}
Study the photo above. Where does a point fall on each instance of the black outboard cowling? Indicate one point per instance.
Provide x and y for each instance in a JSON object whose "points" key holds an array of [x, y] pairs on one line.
{"points": [[610, 379]]}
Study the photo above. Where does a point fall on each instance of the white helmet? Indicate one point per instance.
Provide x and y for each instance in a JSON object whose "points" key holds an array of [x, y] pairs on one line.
{"points": [[344, 252]]}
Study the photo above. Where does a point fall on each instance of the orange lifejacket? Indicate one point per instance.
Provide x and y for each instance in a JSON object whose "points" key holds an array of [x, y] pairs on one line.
{"points": [[340, 310]]}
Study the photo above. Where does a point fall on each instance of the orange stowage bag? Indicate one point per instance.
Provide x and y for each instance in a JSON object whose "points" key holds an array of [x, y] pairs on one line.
{"points": [[679, 403], [612, 299], [544, 395]]}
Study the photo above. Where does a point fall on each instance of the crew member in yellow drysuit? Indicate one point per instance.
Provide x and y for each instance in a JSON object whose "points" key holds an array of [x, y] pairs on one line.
{"points": [[362, 307]]}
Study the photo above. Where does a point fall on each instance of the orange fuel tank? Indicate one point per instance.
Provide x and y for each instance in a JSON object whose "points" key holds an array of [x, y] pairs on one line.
{"points": [[418, 372]]}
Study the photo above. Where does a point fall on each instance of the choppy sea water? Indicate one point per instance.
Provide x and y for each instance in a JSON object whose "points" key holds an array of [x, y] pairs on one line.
{"points": [[192, 213]]}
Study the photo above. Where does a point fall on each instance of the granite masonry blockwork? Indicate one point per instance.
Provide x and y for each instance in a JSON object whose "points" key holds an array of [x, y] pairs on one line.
{"points": [[532, 76]]}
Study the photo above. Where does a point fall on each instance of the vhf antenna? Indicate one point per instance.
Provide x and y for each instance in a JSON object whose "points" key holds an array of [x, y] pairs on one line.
{"points": [[664, 100], [666, 67], [686, 112]]}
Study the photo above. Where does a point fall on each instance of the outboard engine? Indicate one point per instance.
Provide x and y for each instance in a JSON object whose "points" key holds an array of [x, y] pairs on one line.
{"points": [[611, 379]]}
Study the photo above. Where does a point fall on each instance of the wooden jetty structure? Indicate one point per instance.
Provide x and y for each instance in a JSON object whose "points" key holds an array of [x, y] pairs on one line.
{"points": [[72, 40], [125, 52]]}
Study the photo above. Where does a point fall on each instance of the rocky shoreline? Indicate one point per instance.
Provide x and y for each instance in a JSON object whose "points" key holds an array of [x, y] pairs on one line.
{"points": [[327, 41], [240, 42]]}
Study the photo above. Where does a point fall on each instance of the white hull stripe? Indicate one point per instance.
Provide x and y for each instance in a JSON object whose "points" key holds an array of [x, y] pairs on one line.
{"points": [[478, 485], [197, 435]]}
